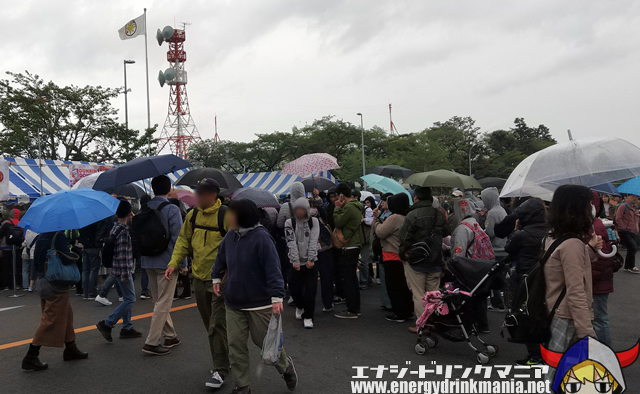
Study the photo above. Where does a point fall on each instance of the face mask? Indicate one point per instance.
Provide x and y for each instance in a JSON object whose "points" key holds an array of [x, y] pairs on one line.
{"points": [[593, 210]]}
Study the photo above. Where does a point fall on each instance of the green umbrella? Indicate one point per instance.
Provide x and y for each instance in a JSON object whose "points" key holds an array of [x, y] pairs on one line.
{"points": [[443, 178]]}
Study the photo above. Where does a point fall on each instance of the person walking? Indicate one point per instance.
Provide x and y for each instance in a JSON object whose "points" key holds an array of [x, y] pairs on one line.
{"points": [[302, 233], [161, 285], [56, 324], [254, 292], [204, 228], [28, 271], [122, 271], [395, 280], [347, 218], [524, 253], [602, 275], [627, 225], [567, 272], [422, 222]]}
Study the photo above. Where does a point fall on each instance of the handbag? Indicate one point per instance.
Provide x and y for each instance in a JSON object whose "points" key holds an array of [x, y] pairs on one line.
{"points": [[338, 240], [617, 262], [56, 271]]}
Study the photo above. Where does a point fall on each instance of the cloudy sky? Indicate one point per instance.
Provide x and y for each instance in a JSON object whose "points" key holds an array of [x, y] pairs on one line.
{"points": [[271, 64]]}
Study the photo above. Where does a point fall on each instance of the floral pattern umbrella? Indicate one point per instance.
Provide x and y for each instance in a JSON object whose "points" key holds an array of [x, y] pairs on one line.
{"points": [[311, 164]]}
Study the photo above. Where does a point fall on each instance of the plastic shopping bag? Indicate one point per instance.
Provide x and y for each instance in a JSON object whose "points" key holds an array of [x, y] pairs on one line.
{"points": [[272, 345]]}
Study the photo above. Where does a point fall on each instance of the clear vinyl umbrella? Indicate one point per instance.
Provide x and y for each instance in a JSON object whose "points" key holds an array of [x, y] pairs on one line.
{"points": [[587, 162]]}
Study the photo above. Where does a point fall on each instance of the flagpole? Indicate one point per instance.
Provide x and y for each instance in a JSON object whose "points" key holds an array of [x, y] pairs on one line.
{"points": [[146, 59]]}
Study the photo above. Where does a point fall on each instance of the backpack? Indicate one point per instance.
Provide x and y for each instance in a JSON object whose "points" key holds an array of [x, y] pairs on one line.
{"points": [[324, 239], [482, 248], [427, 252], [149, 229], [109, 248], [14, 236], [221, 212], [528, 320]]}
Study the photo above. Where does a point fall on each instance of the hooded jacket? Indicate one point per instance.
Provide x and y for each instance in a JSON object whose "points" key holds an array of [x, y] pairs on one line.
{"points": [[525, 245], [296, 191], [250, 259], [421, 222], [302, 242], [495, 214], [463, 237], [203, 243], [627, 218], [348, 219], [602, 268]]}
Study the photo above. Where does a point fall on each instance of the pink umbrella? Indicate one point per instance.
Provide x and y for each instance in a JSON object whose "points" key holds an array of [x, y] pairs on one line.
{"points": [[311, 164], [187, 197]]}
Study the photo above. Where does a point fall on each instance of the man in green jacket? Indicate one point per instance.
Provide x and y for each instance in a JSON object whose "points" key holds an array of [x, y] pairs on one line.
{"points": [[347, 217]]}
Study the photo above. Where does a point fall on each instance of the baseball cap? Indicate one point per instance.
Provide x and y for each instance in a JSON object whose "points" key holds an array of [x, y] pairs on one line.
{"points": [[207, 185]]}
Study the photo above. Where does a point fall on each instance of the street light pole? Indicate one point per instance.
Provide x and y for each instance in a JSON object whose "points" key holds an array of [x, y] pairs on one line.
{"points": [[364, 171], [126, 104]]}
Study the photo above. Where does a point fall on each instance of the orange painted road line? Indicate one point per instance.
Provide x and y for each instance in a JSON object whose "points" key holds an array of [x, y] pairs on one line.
{"points": [[89, 328]]}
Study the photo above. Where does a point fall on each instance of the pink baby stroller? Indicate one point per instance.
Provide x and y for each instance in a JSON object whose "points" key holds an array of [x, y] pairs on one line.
{"points": [[451, 311]]}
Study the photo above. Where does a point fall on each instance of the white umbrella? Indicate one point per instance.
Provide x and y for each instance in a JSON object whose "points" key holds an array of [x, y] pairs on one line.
{"points": [[87, 181], [588, 162]]}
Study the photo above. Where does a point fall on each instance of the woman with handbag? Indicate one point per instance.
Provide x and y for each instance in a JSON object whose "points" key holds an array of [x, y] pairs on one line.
{"points": [[53, 260]]}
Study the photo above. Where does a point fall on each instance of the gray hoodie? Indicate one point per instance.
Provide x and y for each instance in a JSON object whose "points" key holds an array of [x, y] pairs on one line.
{"points": [[463, 238], [296, 191], [495, 214], [302, 242]]}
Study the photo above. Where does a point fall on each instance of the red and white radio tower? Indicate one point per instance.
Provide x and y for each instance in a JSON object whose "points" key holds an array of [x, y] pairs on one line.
{"points": [[179, 131]]}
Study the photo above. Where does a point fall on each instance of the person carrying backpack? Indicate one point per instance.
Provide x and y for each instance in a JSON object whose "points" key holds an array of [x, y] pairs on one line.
{"points": [[302, 233], [204, 228], [122, 268], [162, 219]]}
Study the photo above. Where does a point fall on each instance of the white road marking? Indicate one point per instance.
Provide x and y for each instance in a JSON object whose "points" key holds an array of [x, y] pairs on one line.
{"points": [[11, 307]]}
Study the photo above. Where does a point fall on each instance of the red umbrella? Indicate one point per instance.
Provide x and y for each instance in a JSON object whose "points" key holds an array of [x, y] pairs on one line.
{"points": [[311, 164]]}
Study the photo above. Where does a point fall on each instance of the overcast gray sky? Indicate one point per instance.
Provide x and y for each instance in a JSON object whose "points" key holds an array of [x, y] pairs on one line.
{"points": [[268, 65]]}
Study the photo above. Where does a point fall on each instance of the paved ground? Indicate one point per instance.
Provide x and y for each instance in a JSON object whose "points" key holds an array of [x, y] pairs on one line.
{"points": [[324, 356]]}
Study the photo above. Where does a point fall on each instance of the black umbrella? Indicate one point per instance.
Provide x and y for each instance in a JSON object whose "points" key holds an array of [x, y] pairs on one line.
{"points": [[130, 190], [492, 182], [261, 197], [391, 171], [138, 169], [226, 179], [315, 182]]}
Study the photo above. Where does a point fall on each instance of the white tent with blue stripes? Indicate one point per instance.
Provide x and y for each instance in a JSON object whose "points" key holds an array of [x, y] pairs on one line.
{"points": [[275, 182]]}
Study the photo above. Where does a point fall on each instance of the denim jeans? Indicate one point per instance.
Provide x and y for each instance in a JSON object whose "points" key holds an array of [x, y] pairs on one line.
{"points": [[90, 269], [145, 282], [27, 268], [108, 283], [601, 318], [123, 311]]}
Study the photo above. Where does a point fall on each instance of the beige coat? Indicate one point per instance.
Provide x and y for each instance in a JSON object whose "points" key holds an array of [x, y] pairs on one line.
{"points": [[389, 232], [570, 266]]}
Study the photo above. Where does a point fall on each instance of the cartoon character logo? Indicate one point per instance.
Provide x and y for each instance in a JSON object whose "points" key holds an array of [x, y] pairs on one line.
{"points": [[589, 367]]}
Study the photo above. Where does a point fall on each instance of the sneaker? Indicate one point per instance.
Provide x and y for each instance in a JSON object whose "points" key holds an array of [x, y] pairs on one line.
{"points": [[241, 390], [346, 315], [338, 300], [145, 296], [216, 381], [308, 323], [395, 318], [90, 298], [155, 350], [492, 308], [185, 297], [386, 308], [299, 313], [105, 330], [30, 290], [633, 270], [120, 299], [528, 361], [173, 342], [291, 376], [130, 334], [364, 287], [102, 300], [290, 302], [327, 310]]}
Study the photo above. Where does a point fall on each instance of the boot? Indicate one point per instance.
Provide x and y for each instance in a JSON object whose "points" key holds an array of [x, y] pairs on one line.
{"points": [[71, 352], [31, 362]]}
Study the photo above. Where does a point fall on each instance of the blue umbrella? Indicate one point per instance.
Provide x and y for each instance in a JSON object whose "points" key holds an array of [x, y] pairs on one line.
{"points": [[384, 184], [138, 169], [632, 186], [69, 209], [607, 188]]}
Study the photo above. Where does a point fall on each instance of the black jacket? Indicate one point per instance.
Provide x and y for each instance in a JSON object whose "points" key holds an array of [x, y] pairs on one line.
{"points": [[525, 245], [419, 225]]}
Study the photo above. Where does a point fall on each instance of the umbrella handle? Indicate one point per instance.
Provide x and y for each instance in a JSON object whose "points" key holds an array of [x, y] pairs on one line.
{"points": [[613, 252]]}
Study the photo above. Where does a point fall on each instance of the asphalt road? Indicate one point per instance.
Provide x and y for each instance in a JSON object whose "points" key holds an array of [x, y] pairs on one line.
{"points": [[324, 356]]}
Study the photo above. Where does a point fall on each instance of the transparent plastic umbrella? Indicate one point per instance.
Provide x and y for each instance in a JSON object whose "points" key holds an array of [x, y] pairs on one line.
{"points": [[587, 162]]}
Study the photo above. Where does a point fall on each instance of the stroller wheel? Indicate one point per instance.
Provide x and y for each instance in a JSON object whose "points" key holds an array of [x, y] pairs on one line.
{"points": [[483, 358], [421, 348], [492, 350], [431, 341]]}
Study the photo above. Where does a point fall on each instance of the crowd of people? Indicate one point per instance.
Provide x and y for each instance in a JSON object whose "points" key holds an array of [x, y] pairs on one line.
{"points": [[243, 262]]}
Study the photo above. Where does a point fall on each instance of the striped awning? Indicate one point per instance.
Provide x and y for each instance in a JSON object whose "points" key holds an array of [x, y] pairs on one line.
{"points": [[24, 175], [276, 182]]}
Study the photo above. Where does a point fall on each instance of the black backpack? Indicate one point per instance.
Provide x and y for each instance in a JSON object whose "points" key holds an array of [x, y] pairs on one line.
{"points": [[529, 320], [149, 230], [109, 248], [14, 236], [221, 212]]}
